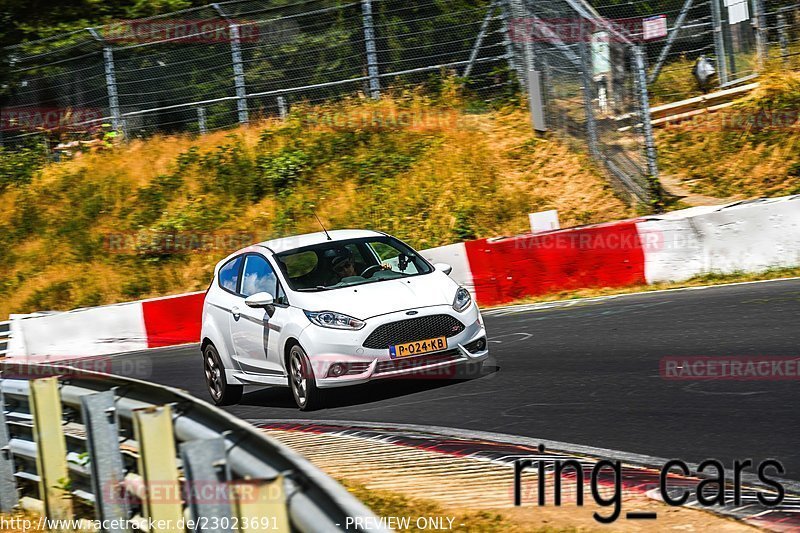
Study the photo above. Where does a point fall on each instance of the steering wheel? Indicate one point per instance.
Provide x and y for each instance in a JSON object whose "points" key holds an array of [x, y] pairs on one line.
{"points": [[370, 270]]}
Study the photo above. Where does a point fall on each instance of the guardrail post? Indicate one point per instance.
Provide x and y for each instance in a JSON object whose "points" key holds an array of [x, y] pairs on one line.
{"points": [[205, 470], [261, 503], [51, 449], [102, 439], [158, 466], [372, 52], [8, 486]]}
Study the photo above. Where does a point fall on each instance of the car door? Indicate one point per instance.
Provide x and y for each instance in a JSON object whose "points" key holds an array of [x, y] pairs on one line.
{"points": [[254, 332], [226, 297]]}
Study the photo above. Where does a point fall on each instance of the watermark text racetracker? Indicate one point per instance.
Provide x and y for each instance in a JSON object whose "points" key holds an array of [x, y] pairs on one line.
{"points": [[735, 368], [175, 242], [33, 367]]}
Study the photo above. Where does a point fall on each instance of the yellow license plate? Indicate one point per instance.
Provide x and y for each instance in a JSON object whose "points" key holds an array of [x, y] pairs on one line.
{"points": [[418, 347]]}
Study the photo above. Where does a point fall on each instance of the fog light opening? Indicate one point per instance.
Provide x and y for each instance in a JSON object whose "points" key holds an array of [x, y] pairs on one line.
{"points": [[336, 370]]}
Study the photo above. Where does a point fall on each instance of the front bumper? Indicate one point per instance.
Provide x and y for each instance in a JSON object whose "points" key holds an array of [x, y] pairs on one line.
{"points": [[326, 347]]}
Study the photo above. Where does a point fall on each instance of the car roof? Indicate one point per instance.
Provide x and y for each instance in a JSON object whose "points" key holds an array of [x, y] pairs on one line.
{"points": [[310, 239]]}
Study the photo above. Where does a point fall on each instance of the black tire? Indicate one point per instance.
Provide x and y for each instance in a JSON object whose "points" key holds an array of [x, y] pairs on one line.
{"points": [[307, 395], [221, 392]]}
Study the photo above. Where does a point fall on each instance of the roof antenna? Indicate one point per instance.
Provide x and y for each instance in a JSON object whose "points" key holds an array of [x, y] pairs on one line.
{"points": [[323, 227]]}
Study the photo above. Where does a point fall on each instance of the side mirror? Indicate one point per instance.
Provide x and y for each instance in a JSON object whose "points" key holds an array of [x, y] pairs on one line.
{"points": [[444, 267], [259, 300]]}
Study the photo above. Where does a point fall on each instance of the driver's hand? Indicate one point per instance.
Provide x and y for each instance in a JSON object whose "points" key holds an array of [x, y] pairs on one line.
{"points": [[386, 266]]}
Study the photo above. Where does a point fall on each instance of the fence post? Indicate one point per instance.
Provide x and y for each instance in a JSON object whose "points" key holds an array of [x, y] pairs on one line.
{"points": [[111, 80], [201, 119], [238, 65], [372, 52], [508, 40], [519, 13], [536, 101], [111, 85], [719, 42], [662, 57], [238, 74], [783, 38], [647, 126], [283, 110], [476, 48], [588, 104], [760, 23]]}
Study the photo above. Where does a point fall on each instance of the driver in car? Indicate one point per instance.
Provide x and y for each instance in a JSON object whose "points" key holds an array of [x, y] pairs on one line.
{"points": [[343, 265]]}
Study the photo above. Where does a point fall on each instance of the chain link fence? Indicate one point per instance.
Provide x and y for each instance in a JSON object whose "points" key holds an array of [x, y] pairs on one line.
{"points": [[228, 63], [589, 71], [594, 87], [782, 21], [737, 38]]}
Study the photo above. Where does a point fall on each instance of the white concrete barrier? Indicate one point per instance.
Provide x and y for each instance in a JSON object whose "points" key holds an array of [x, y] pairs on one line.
{"points": [[740, 237]]}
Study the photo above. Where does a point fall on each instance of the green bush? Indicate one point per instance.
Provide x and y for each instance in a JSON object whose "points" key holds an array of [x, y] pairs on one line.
{"points": [[19, 166]]}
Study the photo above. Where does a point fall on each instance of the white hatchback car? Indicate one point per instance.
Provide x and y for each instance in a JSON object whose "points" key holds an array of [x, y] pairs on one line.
{"points": [[332, 309]]}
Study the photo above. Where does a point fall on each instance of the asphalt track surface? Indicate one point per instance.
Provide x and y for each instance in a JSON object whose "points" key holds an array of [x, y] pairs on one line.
{"points": [[587, 374]]}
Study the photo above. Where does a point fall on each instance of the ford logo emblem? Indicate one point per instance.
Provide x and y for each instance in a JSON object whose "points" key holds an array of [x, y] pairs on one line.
{"points": [[412, 312]]}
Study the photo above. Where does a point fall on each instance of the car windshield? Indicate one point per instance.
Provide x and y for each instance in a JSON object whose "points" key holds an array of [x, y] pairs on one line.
{"points": [[337, 264]]}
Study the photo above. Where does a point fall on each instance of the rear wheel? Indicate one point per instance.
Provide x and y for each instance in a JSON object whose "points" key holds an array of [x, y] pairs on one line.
{"points": [[307, 395], [221, 392]]}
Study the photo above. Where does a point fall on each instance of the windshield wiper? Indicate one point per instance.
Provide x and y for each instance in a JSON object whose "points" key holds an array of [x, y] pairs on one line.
{"points": [[314, 289]]}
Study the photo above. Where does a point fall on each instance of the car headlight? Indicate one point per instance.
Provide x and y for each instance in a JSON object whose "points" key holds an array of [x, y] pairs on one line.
{"points": [[329, 319], [462, 299]]}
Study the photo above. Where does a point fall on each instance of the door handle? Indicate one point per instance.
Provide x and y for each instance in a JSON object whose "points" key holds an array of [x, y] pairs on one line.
{"points": [[236, 313]]}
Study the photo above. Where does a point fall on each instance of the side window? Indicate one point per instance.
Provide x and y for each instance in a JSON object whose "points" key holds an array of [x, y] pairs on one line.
{"points": [[229, 274], [394, 258], [258, 276], [281, 298]]}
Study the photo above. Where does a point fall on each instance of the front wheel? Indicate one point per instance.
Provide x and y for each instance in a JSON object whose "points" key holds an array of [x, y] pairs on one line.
{"points": [[222, 393], [307, 395]]}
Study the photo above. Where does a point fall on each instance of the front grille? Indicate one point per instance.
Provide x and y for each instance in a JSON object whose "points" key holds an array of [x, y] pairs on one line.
{"points": [[417, 363], [413, 329]]}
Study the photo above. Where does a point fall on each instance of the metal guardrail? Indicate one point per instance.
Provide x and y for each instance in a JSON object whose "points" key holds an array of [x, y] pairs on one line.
{"points": [[5, 337], [124, 454]]}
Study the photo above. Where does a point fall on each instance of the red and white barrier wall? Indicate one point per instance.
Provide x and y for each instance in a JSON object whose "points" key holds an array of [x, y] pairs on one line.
{"points": [[747, 236], [118, 328]]}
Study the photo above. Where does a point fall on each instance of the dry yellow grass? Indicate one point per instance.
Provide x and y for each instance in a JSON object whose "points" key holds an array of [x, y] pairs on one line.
{"points": [[421, 169], [750, 149]]}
